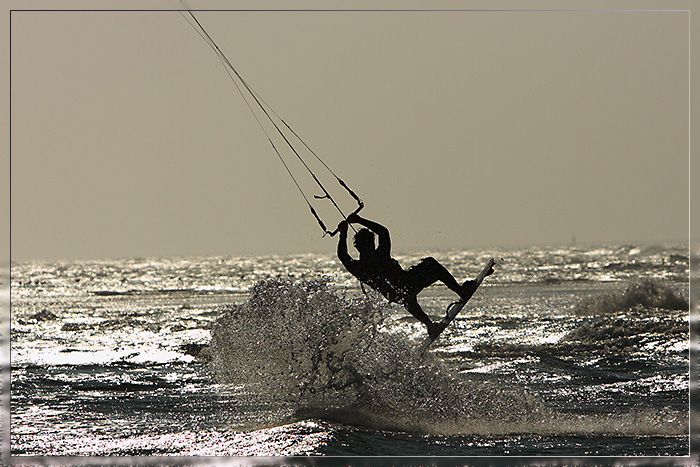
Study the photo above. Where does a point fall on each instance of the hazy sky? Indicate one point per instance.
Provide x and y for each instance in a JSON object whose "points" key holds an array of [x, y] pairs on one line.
{"points": [[459, 129]]}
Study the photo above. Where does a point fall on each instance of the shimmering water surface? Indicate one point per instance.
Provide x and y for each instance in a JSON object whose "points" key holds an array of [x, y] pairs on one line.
{"points": [[564, 351]]}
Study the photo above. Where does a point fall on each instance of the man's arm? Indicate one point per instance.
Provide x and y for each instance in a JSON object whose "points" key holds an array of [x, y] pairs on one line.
{"points": [[381, 231], [343, 254]]}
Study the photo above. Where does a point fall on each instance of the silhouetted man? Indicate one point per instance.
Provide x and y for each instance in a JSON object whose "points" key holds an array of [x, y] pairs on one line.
{"points": [[384, 274]]}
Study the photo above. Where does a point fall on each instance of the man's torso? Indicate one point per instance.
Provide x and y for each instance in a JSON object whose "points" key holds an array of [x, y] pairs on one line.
{"points": [[384, 274]]}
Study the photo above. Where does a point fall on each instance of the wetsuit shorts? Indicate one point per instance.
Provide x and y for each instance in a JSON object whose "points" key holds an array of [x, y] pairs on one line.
{"points": [[420, 275]]}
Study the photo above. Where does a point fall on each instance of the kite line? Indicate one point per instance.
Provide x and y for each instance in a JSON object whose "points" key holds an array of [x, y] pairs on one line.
{"points": [[253, 100]]}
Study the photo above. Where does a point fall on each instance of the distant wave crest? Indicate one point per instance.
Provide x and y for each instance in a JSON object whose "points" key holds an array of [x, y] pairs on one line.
{"points": [[646, 293]]}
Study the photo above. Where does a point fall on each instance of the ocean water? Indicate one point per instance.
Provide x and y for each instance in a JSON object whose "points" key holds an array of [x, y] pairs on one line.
{"points": [[566, 351]]}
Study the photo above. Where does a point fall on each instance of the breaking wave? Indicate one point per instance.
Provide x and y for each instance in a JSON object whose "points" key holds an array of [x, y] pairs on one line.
{"points": [[623, 333], [329, 357], [645, 293]]}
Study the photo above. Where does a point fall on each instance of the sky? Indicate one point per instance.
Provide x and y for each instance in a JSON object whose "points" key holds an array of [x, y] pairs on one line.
{"points": [[458, 129]]}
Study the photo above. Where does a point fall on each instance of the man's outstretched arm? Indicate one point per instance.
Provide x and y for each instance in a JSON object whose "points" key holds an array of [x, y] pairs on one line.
{"points": [[381, 231]]}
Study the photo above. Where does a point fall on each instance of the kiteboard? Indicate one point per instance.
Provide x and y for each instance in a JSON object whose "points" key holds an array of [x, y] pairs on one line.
{"points": [[454, 308]]}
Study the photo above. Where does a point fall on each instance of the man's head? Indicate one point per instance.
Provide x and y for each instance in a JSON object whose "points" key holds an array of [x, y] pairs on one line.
{"points": [[364, 241]]}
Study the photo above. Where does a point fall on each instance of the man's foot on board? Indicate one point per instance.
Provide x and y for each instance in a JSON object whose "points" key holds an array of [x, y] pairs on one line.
{"points": [[434, 330], [467, 290], [469, 286]]}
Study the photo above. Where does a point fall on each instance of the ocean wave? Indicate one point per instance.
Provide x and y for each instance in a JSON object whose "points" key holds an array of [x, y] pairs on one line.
{"points": [[623, 332], [645, 293], [329, 356]]}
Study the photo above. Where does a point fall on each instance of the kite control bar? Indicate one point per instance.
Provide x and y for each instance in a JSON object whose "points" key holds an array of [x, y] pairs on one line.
{"points": [[360, 205], [323, 226], [359, 208]]}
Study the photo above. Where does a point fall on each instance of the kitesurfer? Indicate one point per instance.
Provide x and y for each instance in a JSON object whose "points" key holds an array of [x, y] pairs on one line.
{"points": [[379, 270]]}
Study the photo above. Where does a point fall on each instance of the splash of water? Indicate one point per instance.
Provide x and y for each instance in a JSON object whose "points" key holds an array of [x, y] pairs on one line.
{"points": [[295, 340], [328, 355]]}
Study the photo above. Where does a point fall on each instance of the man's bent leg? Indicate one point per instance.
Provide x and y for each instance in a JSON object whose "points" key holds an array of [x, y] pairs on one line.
{"points": [[429, 271], [413, 307]]}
